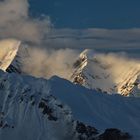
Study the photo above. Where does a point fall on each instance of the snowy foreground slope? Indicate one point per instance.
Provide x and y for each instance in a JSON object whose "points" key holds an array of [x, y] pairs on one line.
{"points": [[100, 110], [56, 109]]}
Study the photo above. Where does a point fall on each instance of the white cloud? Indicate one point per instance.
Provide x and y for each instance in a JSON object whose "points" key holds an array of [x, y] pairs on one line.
{"points": [[16, 23], [46, 63]]}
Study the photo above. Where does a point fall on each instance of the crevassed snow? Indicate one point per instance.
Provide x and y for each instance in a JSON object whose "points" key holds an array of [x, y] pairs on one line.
{"points": [[8, 50]]}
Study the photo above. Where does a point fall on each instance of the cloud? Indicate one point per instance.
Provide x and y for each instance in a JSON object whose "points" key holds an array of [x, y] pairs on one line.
{"points": [[15, 22], [93, 38], [46, 63], [116, 71], [35, 57]]}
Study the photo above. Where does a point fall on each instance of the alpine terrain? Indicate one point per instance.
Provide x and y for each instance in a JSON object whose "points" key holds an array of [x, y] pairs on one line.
{"points": [[57, 109]]}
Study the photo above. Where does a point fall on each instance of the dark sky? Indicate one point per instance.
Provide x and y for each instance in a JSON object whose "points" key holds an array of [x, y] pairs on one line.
{"points": [[112, 14]]}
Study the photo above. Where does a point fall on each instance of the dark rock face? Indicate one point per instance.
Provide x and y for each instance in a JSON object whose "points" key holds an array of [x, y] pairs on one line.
{"points": [[79, 79], [15, 66], [114, 134], [12, 68], [47, 110], [3, 122], [86, 132]]}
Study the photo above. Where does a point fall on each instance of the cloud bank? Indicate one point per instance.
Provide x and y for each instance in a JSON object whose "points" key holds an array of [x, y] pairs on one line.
{"points": [[95, 38]]}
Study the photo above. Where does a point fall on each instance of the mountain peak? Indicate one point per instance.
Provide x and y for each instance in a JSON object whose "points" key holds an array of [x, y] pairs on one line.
{"points": [[8, 51], [87, 54], [102, 72]]}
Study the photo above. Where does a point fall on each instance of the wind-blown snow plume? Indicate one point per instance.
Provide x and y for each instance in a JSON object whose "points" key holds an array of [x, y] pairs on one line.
{"points": [[46, 63], [111, 73], [119, 65]]}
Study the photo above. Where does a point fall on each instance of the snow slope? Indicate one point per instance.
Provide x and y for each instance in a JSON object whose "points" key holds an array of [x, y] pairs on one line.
{"points": [[106, 73], [8, 50], [23, 110], [28, 111], [99, 110], [40, 109]]}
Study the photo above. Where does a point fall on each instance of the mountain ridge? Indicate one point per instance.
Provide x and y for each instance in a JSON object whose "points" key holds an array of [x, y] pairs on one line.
{"points": [[31, 104]]}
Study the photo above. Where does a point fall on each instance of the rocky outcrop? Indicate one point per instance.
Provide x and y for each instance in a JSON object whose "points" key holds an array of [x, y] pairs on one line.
{"points": [[114, 134]]}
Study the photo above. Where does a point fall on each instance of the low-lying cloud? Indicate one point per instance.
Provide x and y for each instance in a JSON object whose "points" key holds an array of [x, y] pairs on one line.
{"points": [[120, 66], [46, 63]]}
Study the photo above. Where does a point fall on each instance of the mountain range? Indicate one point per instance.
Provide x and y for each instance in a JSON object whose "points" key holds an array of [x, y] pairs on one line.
{"points": [[85, 108]]}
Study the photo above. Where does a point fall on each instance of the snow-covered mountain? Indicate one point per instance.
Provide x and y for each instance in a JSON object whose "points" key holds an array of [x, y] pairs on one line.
{"points": [[91, 70], [8, 51], [106, 73], [17, 65], [40, 109], [56, 109]]}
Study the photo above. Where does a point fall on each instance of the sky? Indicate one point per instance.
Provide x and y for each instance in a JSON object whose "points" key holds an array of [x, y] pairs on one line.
{"points": [[81, 14]]}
